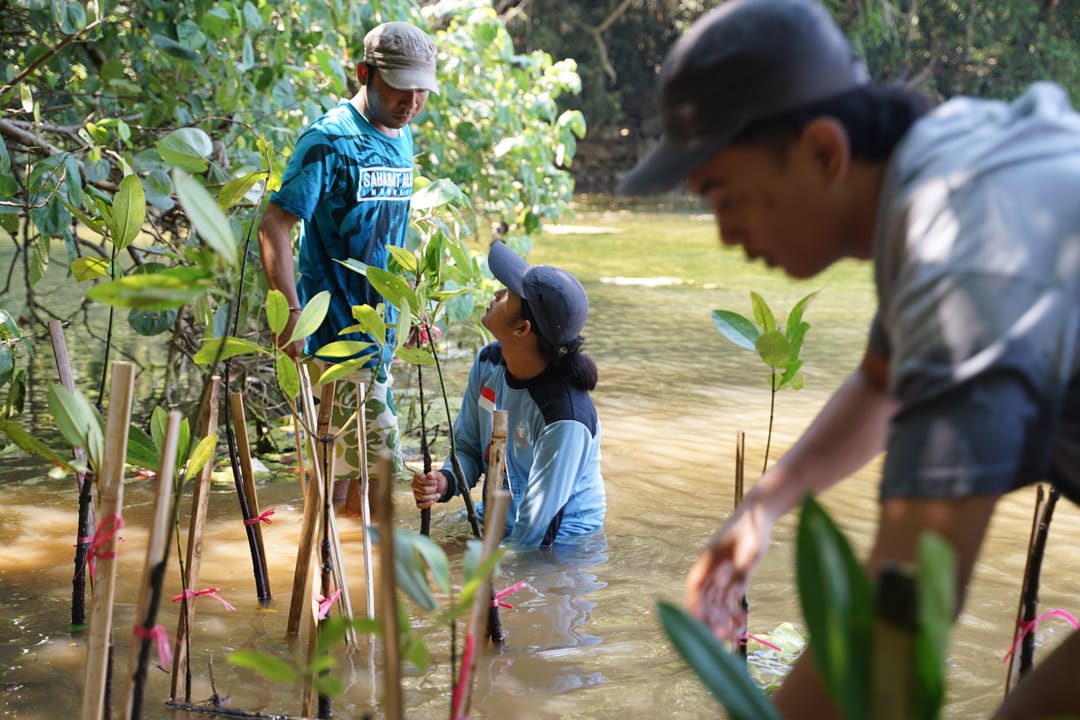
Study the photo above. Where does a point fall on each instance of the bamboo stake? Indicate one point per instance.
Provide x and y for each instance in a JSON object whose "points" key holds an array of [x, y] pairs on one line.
{"points": [[112, 502], [462, 696], [313, 500], [200, 500], [247, 473], [157, 553], [740, 643], [495, 481], [365, 500], [388, 611], [327, 475], [83, 484], [496, 461]]}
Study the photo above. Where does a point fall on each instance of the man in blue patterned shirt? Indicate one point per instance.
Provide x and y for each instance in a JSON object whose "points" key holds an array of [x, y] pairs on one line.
{"points": [[349, 183]]}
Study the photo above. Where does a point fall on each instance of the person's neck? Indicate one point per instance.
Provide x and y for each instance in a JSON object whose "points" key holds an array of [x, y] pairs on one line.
{"points": [[523, 363], [360, 103], [865, 182]]}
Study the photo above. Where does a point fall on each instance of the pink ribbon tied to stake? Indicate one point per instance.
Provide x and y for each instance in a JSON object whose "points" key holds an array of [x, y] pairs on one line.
{"points": [[157, 633], [326, 602], [1029, 626], [100, 538], [262, 517], [497, 601], [208, 592]]}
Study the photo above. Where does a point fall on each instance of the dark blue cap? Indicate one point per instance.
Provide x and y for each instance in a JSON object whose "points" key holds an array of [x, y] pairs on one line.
{"points": [[556, 299]]}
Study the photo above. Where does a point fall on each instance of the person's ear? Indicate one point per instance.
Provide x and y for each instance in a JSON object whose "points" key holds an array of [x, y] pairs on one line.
{"points": [[826, 142], [362, 73]]}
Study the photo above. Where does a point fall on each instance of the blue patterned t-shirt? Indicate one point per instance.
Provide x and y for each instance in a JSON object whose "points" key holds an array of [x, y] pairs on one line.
{"points": [[350, 185]]}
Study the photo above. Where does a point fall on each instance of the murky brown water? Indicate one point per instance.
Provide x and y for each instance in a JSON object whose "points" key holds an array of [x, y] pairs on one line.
{"points": [[584, 641]]}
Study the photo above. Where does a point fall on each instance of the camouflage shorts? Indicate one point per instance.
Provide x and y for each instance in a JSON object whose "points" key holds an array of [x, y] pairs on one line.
{"points": [[381, 422]]}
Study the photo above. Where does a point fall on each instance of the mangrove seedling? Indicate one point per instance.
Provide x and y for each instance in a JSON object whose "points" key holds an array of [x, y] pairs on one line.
{"points": [[778, 347]]}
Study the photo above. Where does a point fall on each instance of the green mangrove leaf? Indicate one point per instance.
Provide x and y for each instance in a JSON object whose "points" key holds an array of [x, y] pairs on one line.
{"points": [[344, 349], [89, 268], [736, 328], [207, 218], [403, 324], [436, 194], [312, 316], [329, 685], [724, 675], [415, 356], [158, 291], [270, 667], [29, 443], [151, 322], [159, 421], [331, 632], [791, 372], [475, 571], [409, 571], [393, 287], [795, 335], [129, 211], [370, 320], [71, 416], [836, 597], [343, 369], [83, 217], [219, 349], [773, 348], [202, 453], [277, 311], [413, 650], [433, 261], [141, 451], [288, 376], [433, 556], [405, 259], [937, 605], [235, 190], [762, 314], [74, 18], [795, 316], [186, 149]]}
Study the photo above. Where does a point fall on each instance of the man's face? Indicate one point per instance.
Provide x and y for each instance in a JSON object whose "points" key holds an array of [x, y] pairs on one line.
{"points": [[777, 209], [503, 314], [391, 108]]}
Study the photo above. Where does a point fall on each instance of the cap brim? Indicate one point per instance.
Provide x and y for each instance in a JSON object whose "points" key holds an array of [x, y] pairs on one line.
{"points": [[401, 79], [508, 267], [666, 164]]}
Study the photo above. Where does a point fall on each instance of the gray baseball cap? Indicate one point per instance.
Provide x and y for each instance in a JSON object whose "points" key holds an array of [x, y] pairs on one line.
{"points": [[404, 55], [740, 62], [556, 299]]}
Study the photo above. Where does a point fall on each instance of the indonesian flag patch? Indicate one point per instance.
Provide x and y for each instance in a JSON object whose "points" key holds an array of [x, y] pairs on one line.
{"points": [[487, 399]]}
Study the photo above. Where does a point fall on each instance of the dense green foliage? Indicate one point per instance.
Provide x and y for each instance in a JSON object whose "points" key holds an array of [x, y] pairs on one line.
{"points": [[188, 101], [988, 48]]}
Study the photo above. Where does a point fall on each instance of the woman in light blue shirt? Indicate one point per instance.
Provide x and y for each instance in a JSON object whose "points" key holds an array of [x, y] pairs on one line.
{"points": [[536, 372]]}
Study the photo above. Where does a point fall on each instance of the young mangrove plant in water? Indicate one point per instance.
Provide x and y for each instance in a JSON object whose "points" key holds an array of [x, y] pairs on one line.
{"points": [[777, 347]]}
